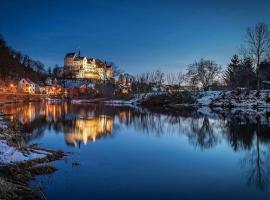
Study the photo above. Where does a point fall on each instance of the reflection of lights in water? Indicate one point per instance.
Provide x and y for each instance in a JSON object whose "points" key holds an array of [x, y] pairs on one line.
{"points": [[28, 113], [89, 129]]}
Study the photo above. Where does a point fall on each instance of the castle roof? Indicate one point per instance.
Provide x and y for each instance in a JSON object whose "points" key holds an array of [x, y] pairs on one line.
{"points": [[79, 58], [89, 60], [76, 56], [28, 80], [99, 63], [72, 54]]}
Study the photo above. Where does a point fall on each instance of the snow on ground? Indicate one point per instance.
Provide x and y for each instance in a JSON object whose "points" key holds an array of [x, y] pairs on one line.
{"points": [[120, 102], [10, 155], [242, 98], [205, 98], [136, 100]]}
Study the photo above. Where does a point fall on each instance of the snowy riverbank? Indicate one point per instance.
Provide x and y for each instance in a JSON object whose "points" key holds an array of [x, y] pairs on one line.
{"points": [[240, 98], [13, 149], [226, 99], [10, 150], [11, 155], [20, 163]]}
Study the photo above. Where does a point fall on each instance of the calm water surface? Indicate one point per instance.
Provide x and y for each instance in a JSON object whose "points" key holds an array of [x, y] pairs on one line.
{"points": [[128, 153]]}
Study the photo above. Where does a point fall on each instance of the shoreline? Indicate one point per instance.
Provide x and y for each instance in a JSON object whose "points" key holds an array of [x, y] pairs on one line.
{"points": [[20, 163]]}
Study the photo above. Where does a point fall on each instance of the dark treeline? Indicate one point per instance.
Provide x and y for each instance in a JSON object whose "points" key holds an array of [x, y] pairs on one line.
{"points": [[242, 73], [15, 65], [254, 68]]}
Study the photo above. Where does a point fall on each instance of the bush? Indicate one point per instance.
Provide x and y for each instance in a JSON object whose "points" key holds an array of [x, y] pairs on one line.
{"points": [[183, 97]]}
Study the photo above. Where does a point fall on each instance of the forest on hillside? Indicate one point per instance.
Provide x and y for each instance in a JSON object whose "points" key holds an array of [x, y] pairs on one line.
{"points": [[14, 65]]}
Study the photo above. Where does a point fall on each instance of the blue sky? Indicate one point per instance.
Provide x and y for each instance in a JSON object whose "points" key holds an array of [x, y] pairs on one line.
{"points": [[136, 35]]}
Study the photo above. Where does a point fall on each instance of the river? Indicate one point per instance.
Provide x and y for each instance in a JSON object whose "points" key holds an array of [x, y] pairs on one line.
{"points": [[134, 153]]}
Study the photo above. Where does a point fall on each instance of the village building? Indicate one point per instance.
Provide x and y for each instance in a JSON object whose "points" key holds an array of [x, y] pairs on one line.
{"points": [[49, 81], [52, 90], [125, 79], [124, 84], [76, 66], [27, 86]]}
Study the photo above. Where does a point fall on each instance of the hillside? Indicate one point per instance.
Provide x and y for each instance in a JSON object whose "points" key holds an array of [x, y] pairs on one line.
{"points": [[15, 65]]}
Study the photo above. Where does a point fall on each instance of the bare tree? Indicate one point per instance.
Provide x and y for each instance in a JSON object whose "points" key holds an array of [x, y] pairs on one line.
{"points": [[116, 71], [176, 79], [181, 78], [144, 81], [157, 77], [203, 72], [258, 45], [171, 78]]}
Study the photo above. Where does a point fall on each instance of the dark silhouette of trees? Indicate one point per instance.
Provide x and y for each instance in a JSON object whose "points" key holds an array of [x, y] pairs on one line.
{"points": [[203, 72], [232, 72], [145, 81], [264, 70], [175, 79], [57, 71], [240, 73], [258, 46], [248, 73], [15, 65]]}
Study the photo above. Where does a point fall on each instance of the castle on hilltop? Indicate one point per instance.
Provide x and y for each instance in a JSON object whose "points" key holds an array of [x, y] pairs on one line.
{"points": [[76, 66]]}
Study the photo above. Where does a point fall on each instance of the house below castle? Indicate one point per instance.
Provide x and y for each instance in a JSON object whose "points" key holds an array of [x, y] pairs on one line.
{"points": [[26, 85], [76, 66]]}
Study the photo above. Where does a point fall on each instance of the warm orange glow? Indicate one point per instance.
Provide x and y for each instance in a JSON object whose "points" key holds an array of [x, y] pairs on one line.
{"points": [[89, 129], [80, 130]]}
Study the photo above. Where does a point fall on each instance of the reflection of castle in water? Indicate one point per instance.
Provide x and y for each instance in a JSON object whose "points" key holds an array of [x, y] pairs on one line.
{"points": [[78, 124], [89, 129]]}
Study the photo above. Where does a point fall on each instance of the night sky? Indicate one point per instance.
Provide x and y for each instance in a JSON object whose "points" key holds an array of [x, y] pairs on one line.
{"points": [[136, 35]]}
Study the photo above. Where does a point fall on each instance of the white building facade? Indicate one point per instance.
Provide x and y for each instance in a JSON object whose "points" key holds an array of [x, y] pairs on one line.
{"points": [[76, 66]]}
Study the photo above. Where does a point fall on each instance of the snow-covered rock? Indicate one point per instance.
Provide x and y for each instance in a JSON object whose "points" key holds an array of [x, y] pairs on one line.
{"points": [[240, 98], [10, 155]]}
